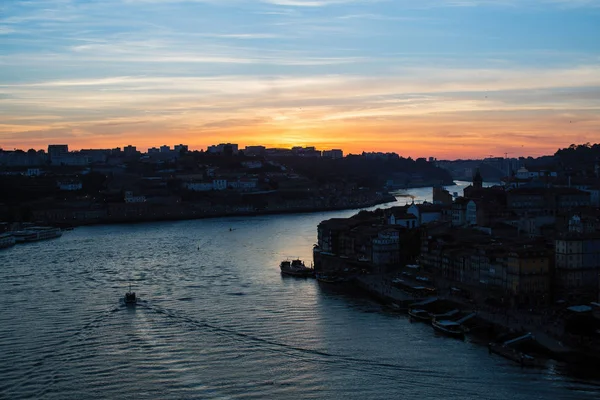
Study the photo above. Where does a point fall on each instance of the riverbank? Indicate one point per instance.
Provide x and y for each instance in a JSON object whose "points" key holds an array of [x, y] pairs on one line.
{"points": [[141, 213]]}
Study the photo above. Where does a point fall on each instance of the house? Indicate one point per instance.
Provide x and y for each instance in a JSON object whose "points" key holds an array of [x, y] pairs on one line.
{"points": [[528, 275], [70, 186], [427, 212], [385, 248], [459, 211], [130, 198], [546, 201], [409, 221], [471, 213], [577, 260]]}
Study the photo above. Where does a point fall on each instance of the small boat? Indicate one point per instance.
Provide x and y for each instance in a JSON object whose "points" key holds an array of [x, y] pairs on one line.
{"points": [[515, 355], [130, 298], [397, 307], [419, 315], [6, 240], [450, 328], [296, 268]]}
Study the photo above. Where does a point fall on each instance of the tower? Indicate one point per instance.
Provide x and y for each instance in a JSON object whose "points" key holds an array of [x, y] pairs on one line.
{"points": [[477, 180]]}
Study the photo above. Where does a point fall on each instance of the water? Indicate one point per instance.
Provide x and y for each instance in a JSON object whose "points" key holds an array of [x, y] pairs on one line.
{"points": [[218, 321]]}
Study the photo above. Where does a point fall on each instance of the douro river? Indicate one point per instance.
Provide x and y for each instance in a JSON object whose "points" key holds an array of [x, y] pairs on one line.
{"points": [[218, 321]]}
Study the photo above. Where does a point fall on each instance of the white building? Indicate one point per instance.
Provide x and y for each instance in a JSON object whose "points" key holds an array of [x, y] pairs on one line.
{"points": [[70, 186], [471, 216], [406, 220], [426, 212], [219, 184], [244, 184], [130, 198], [199, 186], [386, 248], [252, 164]]}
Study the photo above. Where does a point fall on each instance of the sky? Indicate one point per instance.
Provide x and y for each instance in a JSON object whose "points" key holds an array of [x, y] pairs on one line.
{"points": [[445, 78]]}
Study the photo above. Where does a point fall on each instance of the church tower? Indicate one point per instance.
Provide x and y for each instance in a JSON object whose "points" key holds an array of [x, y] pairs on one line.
{"points": [[477, 180]]}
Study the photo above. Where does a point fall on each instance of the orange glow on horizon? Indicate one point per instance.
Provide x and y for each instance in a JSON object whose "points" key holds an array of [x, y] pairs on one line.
{"points": [[443, 137]]}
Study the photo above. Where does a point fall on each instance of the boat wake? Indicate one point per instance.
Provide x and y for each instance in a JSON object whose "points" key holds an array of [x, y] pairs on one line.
{"points": [[296, 352]]}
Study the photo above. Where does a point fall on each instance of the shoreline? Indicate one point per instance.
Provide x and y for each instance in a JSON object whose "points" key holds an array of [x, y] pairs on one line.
{"points": [[389, 198]]}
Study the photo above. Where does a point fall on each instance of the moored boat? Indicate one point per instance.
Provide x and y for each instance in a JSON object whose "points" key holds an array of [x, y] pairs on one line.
{"points": [[296, 268], [450, 328], [419, 315], [515, 355], [6, 240], [36, 233]]}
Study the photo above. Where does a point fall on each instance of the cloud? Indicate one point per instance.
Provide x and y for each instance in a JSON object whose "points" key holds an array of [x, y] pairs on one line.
{"points": [[283, 70]]}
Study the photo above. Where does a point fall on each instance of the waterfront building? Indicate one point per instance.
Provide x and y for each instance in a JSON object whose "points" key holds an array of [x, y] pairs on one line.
{"points": [[546, 201], [577, 265], [528, 275], [330, 231], [386, 248]]}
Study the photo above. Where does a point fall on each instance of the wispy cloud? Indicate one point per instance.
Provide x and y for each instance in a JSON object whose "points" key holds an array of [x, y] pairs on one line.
{"points": [[328, 71]]}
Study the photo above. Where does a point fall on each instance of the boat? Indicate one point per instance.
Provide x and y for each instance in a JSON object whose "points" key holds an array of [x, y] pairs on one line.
{"points": [[36, 233], [419, 315], [6, 240], [397, 307], [130, 298], [296, 268], [450, 328], [515, 355]]}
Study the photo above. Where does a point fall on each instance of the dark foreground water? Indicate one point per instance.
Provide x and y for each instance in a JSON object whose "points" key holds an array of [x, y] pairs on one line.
{"points": [[218, 321]]}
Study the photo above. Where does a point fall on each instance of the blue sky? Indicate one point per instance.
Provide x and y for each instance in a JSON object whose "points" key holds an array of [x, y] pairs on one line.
{"points": [[494, 76]]}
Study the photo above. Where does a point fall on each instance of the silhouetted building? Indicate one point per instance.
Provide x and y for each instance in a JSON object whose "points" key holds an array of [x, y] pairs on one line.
{"points": [[57, 151]]}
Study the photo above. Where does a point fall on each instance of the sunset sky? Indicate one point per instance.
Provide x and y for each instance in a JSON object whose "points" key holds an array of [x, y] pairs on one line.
{"points": [[445, 78]]}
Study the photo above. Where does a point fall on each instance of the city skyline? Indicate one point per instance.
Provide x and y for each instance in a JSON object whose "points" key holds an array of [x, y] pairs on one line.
{"points": [[448, 79], [174, 147]]}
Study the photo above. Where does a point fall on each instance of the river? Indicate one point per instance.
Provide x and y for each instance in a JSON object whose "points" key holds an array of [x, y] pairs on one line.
{"points": [[218, 321]]}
